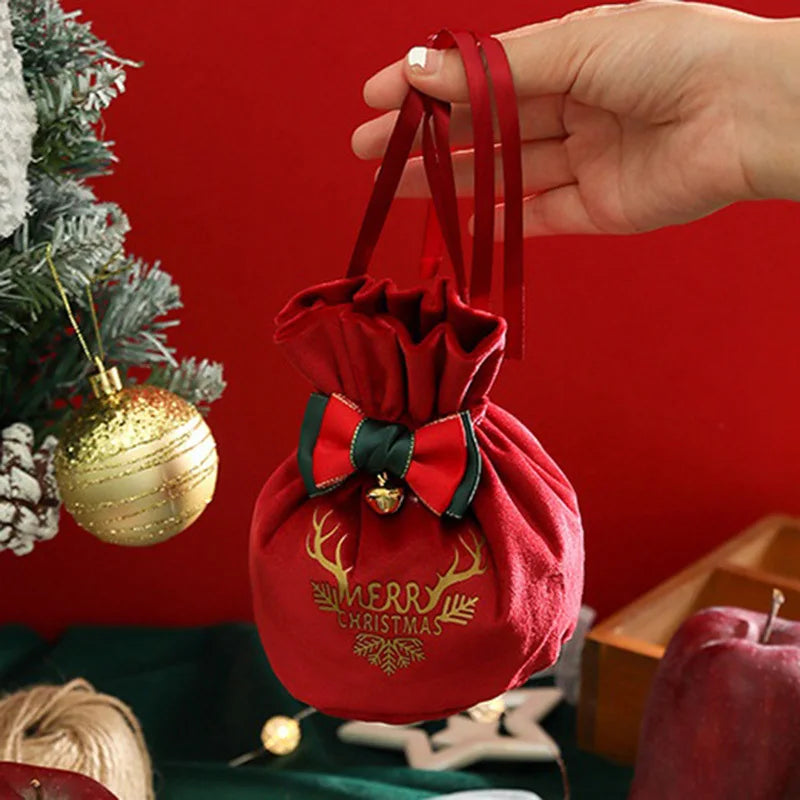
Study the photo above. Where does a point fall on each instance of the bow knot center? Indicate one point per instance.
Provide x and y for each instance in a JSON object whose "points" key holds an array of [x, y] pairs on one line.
{"points": [[382, 447]]}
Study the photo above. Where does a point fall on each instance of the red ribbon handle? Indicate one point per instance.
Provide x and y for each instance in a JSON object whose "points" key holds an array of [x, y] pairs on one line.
{"points": [[392, 166], [484, 60], [511, 148], [483, 137], [439, 171]]}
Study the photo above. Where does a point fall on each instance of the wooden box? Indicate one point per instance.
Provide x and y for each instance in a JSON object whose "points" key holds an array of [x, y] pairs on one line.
{"points": [[621, 653]]}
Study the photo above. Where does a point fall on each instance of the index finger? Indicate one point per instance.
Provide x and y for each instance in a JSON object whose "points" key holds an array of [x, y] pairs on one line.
{"points": [[545, 58]]}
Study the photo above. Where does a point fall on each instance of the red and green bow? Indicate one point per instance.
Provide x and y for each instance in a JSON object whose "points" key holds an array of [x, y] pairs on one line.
{"points": [[440, 462]]}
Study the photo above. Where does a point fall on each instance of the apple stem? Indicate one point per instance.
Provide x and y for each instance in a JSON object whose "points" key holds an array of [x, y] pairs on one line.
{"points": [[37, 787], [777, 601]]}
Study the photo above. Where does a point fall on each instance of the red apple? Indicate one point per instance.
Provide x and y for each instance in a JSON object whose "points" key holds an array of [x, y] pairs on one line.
{"points": [[26, 782], [723, 718]]}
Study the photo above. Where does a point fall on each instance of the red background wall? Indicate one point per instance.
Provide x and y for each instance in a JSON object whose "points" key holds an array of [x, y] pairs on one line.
{"points": [[662, 370]]}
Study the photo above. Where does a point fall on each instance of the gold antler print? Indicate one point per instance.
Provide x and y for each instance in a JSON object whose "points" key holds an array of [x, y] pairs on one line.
{"points": [[453, 576], [335, 567]]}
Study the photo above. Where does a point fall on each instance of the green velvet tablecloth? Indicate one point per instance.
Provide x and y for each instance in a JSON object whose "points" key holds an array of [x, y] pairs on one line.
{"points": [[203, 694]]}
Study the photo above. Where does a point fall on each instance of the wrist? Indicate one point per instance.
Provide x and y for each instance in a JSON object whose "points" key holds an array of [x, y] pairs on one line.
{"points": [[768, 109]]}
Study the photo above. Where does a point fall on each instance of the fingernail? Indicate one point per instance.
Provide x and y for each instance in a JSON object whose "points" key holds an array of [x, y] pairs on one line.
{"points": [[424, 61]]}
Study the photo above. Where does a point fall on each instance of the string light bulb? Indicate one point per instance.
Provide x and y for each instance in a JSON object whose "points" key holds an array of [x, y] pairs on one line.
{"points": [[280, 736]]}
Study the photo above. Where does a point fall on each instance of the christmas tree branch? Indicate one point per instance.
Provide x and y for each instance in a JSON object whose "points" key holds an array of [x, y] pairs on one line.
{"points": [[72, 76], [199, 382]]}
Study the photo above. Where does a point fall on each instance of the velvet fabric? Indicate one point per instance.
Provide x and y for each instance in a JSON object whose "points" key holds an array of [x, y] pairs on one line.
{"points": [[412, 616]]}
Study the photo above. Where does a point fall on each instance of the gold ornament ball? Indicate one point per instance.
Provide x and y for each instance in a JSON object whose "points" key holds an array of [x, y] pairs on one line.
{"points": [[280, 735], [137, 465]]}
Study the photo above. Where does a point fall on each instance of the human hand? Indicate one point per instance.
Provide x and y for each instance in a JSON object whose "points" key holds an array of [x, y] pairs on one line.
{"points": [[633, 116]]}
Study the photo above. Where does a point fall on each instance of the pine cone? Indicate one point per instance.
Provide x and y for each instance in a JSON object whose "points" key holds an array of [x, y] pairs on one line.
{"points": [[29, 501]]}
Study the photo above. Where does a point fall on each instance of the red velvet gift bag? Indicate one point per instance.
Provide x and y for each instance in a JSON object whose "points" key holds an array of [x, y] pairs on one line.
{"points": [[420, 552]]}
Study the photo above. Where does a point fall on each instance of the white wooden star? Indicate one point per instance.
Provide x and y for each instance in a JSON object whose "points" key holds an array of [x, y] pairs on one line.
{"points": [[464, 741]]}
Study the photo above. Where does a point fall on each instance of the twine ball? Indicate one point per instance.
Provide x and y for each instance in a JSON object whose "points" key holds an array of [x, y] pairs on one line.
{"points": [[75, 728]]}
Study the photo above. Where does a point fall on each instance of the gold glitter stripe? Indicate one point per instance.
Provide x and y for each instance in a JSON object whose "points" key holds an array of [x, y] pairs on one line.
{"points": [[73, 485], [165, 524], [159, 504], [172, 445], [87, 464], [168, 486]]}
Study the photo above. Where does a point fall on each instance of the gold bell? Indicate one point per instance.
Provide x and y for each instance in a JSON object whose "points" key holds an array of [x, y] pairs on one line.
{"points": [[383, 499]]}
